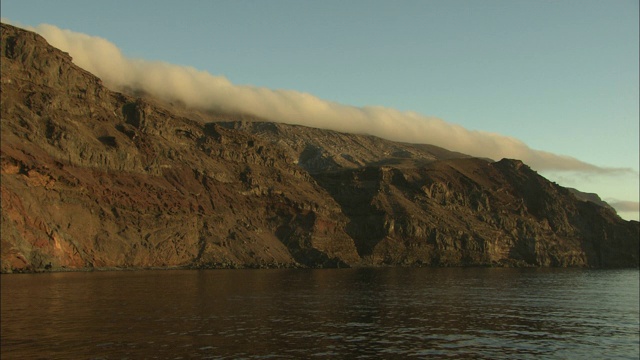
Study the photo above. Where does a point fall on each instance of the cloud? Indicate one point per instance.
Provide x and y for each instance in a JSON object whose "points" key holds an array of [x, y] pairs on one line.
{"points": [[625, 206], [201, 90]]}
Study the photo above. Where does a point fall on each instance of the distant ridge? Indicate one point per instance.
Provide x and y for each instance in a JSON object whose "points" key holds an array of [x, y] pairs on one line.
{"points": [[591, 197]]}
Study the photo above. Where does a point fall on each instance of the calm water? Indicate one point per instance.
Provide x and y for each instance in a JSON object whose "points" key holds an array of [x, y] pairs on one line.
{"points": [[342, 313]]}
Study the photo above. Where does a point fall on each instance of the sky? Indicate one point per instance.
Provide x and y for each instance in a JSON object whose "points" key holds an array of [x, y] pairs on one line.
{"points": [[555, 83]]}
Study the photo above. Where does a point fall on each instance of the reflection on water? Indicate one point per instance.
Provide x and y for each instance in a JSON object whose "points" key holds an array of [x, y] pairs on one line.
{"points": [[342, 313]]}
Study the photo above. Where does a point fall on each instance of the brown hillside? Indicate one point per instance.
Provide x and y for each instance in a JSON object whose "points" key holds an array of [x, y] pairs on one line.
{"points": [[92, 178]]}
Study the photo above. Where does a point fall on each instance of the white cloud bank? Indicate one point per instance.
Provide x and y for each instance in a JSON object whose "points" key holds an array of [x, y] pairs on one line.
{"points": [[200, 89]]}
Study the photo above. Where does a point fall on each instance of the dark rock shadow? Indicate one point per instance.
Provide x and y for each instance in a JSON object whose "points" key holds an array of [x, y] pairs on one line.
{"points": [[354, 191]]}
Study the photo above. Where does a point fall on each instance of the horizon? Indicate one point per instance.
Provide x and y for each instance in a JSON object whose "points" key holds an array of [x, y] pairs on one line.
{"points": [[586, 151]]}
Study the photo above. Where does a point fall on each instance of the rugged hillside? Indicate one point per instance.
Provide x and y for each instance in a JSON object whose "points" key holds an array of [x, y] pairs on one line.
{"points": [[93, 178]]}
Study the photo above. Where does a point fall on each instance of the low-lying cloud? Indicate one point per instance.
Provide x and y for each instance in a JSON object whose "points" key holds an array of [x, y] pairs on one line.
{"points": [[625, 206], [201, 90]]}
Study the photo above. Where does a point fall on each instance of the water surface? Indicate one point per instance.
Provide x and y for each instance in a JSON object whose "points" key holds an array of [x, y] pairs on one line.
{"points": [[455, 313]]}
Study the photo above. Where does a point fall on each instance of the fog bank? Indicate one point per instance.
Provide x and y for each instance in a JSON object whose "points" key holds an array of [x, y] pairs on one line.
{"points": [[202, 90]]}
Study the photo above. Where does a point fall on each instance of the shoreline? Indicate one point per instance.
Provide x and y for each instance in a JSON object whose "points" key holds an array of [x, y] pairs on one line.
{"points": [[294, 266]]}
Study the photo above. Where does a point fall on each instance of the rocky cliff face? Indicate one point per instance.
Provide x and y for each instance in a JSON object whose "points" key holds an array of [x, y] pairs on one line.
{"points": [[91, 178]]}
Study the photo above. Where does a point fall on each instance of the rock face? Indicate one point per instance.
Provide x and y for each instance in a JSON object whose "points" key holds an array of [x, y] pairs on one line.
{"points": [[92, 178]]}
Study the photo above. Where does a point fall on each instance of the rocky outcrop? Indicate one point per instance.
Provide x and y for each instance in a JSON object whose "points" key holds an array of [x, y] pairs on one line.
{"points": [[474, 212], [92, 178]]}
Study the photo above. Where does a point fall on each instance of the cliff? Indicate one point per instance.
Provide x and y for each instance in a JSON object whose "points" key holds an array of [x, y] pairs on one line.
{"points": [[92, 178]]}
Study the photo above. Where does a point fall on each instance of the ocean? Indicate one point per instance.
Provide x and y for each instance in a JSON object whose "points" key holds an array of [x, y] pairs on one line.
{"points": [[364, 313]]}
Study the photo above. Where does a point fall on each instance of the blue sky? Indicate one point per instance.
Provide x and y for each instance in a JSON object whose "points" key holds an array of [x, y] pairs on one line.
{"points": [[562, 76]]}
